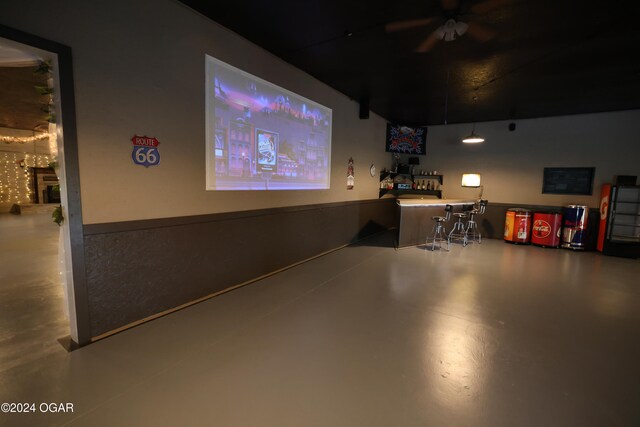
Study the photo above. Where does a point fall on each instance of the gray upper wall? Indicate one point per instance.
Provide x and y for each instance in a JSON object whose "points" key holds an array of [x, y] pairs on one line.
{"points": [[511, 163], [139, 69]]}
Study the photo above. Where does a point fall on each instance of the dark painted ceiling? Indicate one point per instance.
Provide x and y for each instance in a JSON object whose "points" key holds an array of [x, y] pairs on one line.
{"points": [[519, 58]]}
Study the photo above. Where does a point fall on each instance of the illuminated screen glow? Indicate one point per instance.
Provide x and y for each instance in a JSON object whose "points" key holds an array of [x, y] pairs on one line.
{"points": [[261, 136]]}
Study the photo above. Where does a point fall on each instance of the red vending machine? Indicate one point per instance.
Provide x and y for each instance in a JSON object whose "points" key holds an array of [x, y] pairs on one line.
{"points": [[546, 230], [517, 226], [604, 208]]}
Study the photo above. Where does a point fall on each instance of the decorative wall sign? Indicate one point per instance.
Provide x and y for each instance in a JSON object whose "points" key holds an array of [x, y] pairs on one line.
{"points": [[405, 139], [350, 175], [145, 151]]}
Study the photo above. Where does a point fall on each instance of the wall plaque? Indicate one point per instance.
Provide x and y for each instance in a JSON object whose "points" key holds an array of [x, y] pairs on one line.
{"points": [[568, 181], [145, 151]]}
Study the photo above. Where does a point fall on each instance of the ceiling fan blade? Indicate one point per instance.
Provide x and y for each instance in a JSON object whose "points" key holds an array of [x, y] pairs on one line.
{"points": [[450, 4], [392, 27], [488, 5], [480, 32], [428, 43]]}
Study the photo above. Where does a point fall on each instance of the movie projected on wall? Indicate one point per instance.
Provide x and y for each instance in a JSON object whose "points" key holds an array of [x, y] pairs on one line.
{"points": [[261, 136]]}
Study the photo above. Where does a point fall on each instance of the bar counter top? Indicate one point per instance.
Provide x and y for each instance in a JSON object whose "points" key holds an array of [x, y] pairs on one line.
{"points": [[433, 202]]}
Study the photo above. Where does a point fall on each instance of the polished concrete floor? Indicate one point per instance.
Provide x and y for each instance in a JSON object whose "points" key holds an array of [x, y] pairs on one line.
{"points": [[487, 335], [32, 313]]}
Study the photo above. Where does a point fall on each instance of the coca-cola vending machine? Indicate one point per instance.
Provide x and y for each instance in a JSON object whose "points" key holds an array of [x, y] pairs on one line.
{"points": [[546, 229]]}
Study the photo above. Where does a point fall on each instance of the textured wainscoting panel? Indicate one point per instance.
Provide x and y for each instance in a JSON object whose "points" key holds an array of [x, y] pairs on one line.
{"points": [[141, 268]]}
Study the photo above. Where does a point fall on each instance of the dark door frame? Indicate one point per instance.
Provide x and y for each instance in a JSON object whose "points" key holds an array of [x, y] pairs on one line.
{"points": [[35, 173], [73, 212]]}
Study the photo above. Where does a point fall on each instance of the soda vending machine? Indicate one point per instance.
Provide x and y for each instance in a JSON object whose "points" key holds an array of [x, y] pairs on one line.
{"points": [[517, 226], [575, 220], [619, 233], [546, 229]]}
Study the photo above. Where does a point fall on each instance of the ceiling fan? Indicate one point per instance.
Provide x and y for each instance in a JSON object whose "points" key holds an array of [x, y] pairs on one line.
{"points": [[452, 28]]}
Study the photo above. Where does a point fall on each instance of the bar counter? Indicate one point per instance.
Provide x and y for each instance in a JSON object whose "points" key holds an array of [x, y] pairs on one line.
{"points": [[415, 218]]}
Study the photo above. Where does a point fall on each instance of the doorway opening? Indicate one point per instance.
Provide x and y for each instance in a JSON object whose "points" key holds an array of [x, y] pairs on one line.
{"points": [[37, 293]]}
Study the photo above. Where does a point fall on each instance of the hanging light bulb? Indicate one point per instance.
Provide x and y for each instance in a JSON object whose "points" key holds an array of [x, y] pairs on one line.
{"points": [[473, 138]]}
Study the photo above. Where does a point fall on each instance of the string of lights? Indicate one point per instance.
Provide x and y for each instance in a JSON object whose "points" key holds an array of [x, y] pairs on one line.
{"points": [[24, 139], [16, 183], [16, 168]]}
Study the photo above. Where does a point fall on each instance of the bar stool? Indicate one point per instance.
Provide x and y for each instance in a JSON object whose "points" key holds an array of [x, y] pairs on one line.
{"points": [[472, 227], [459, 231], [438, 231]]}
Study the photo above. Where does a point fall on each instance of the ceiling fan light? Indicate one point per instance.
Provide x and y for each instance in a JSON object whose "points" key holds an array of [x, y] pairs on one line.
{"points": [[449, 30]]}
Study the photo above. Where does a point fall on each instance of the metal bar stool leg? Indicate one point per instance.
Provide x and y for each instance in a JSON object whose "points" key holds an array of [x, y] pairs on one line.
{"points": [[441, 235], [472, 226], [444, 236], [459, 231], [473, 232], [438, 231]]}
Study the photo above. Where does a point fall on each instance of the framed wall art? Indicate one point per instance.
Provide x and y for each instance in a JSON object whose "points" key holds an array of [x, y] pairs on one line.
{"points": [[406, 139]]}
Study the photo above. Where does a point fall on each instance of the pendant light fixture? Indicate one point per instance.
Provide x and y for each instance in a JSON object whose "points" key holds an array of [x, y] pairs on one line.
{"points": [[473, 138]]}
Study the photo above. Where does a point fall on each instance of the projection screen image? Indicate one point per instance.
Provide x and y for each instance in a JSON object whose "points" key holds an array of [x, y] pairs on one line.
{"points": [[261, 136]]}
